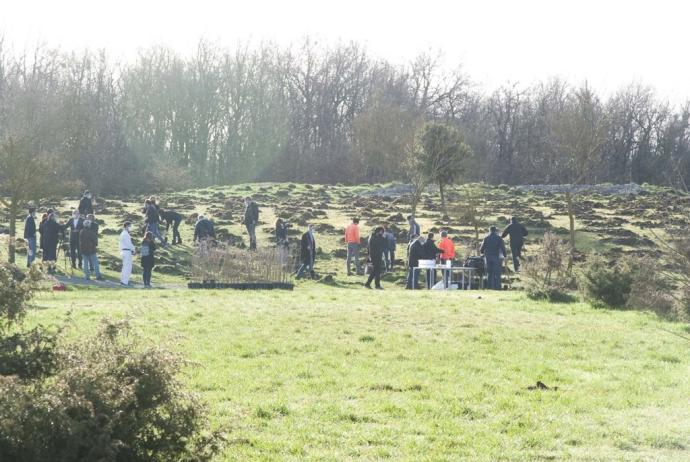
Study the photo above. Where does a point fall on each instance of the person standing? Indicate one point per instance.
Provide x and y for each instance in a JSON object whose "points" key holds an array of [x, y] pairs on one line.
{"points": [[251, 220], [75, 224], [94, 224], [282, 241], [415, 252], [447, 247], [517, 233], [86, 204], [430, 253], [30, 236], [148, 248], [41, 229], [52, 232], [494, 249], [414, 230], [88, 243], [127, 253], [307, 253], [377, 245], [353, 242], [172, 218], [151, 212], [389, 253]]}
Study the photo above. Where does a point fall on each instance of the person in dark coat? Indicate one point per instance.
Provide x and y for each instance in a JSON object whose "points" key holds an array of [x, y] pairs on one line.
{"points": [[251, 220], [150, 211], [203, 229], [86, 204], [494, 250], [517, 233], [172, 218], [377, 246], [148, 248], [430, 253], [88, 245], [94, 224], [389, 254], [415, 253], [52, 232], [74, 225], [307, 253], [30, 236], [41, 227]]}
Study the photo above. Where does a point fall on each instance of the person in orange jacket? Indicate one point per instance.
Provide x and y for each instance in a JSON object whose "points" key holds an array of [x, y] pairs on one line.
{"points": [[353, 242], [448, 254]]}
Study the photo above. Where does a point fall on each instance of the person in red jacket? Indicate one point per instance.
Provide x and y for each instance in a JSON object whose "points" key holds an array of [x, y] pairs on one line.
{"points": [[447, 247], [353, 242]]}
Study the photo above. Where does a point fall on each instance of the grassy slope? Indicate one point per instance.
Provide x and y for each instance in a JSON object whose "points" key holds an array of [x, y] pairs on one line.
{"points": [[599, 219], [339, 374]]}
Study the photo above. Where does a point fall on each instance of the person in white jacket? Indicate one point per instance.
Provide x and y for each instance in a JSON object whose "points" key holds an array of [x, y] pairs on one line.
{"points": [[127, 252]]}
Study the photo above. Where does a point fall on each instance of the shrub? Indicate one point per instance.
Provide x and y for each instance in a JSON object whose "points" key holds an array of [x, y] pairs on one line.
{"points": [[28, 355], [606, 283], [547, 274], [109, 399], [16, 289]]}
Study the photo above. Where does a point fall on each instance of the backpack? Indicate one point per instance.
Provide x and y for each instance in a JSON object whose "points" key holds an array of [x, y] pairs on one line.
{"points": [[475, 262]]}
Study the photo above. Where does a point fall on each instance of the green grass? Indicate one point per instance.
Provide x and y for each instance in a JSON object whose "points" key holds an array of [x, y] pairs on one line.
{"points": [[346, 374]]}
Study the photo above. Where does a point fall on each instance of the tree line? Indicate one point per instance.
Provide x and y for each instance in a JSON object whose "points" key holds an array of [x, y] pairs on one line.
{"points": [[312, 113]]}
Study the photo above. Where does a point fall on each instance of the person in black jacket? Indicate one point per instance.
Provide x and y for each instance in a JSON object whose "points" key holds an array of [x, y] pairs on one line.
{"points": [[415, 253], [75, 224], [86, 204], [171, 217], [430, 253], [307, 253], [377, 246], [517, 233], [148, 248], [203, 229], [494, 249], [251, 220], [30, 236], [52, 232]]}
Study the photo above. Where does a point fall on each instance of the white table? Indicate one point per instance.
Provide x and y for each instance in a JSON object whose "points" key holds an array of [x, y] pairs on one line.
{"points": [[450, 269]]}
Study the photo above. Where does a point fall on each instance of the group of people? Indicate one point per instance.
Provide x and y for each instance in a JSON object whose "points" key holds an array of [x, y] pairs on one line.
{"points": [[381, 247], [81, 229], [492, 249]]}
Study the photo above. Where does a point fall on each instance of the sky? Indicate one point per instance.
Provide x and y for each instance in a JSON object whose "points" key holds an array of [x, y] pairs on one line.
{"points": [[607, 43]]}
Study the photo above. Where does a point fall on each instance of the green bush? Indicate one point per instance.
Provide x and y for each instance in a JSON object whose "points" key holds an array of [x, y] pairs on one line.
{"points": [[605, 283], [105, 398], [109, 400], [547, 274]]}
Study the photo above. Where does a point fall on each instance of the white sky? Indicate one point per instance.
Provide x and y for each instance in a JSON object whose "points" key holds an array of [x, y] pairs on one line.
{"points": [[609, 43]]}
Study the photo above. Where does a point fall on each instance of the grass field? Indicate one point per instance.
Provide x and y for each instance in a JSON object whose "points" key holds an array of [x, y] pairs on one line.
{"points": [[326, 373]]}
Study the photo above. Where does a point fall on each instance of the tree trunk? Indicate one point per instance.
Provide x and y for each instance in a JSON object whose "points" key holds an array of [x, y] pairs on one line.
{"points": [[443, 198], [11, 249], [571, 218]]}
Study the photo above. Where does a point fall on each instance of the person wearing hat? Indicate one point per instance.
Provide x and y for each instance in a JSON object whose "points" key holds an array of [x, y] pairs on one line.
{"points": [[30, 236], [127, 252], [86, 204]]}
